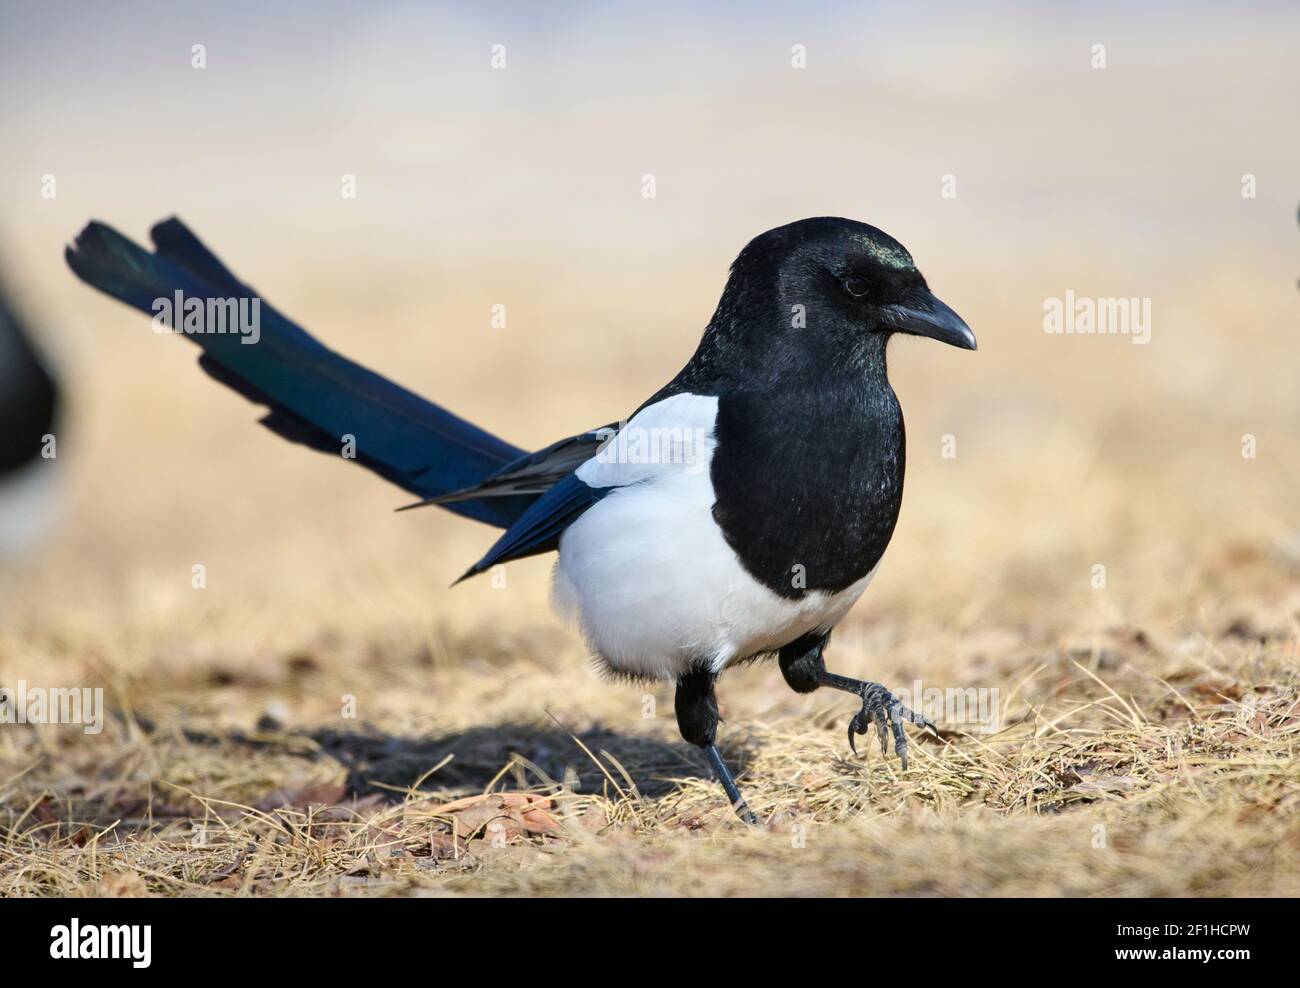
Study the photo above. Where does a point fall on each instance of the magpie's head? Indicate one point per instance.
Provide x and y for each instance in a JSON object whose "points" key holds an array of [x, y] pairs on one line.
{"points": [[840, 285]]}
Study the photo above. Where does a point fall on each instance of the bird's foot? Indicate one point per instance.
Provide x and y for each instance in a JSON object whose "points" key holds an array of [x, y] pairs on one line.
{"points": [[729, 785], [880, 707]]}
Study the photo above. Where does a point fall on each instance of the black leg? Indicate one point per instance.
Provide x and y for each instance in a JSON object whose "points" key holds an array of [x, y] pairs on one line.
{"points": [[802, 663], [697, 719], [729, 785], [804, 667]]}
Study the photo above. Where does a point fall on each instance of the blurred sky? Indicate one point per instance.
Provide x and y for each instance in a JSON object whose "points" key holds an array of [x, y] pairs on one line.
{"points": [[457, 160]]}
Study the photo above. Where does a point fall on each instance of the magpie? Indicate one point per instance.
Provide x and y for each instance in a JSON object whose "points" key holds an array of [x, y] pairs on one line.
{"points": [[29, 407], [736, 514]]}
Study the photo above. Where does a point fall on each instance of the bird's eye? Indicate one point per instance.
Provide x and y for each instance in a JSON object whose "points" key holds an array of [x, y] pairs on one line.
{"points": [[855, 286]]}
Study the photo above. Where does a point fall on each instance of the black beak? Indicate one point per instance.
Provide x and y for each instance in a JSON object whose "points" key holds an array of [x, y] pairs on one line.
{"points": [[930, 317]]}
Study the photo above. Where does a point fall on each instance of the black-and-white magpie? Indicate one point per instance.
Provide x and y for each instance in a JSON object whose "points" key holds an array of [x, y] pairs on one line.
{"points": [[739, 512], [29, 407]]}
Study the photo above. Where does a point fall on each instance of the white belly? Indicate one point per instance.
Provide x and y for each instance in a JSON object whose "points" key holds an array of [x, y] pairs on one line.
{"points": [[656, 589]]}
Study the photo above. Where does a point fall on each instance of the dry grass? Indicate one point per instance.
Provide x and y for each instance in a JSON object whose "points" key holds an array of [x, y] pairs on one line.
{"points": [[1155, 789], [1140, 763]]}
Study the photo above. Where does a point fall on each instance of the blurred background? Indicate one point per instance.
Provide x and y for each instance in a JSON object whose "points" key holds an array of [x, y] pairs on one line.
{"points": [[522, 186]]}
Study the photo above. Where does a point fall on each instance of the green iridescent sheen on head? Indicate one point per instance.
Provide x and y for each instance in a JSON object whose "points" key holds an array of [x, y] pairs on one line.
{"points": [[890, 253]]}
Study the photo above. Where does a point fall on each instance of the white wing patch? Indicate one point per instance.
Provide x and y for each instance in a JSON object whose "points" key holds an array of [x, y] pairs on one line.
{"points": [[673, 435], [646, 571]]}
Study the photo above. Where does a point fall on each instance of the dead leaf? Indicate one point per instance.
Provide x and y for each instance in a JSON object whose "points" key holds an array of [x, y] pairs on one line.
{"points": [[445, 846], [116, 885], [506, 814], [323, 794]]}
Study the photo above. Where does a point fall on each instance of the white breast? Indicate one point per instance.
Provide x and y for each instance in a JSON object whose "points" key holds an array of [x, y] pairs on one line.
{"points": [[646, 571]]}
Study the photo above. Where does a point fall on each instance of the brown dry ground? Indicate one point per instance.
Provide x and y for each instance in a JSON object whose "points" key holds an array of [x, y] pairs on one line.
{"points": [[1149, 729]]}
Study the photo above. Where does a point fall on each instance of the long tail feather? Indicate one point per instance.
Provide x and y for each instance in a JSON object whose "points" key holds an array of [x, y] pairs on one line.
{"points": [[316, 397]]}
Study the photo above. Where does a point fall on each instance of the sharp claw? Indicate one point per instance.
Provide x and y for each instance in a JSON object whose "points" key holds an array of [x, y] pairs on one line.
{"points": [[879, 705], [900, 742]]}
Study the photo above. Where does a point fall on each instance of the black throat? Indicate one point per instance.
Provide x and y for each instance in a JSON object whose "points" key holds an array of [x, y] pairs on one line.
{"points": [[808, 476], [808, 467]]}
